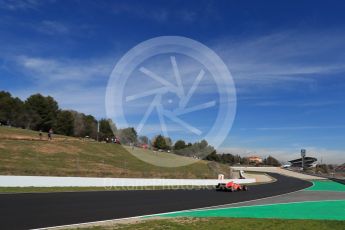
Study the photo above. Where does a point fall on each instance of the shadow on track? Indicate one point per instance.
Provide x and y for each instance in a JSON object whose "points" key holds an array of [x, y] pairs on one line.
{"points": [[25, 211], [341, 181]]}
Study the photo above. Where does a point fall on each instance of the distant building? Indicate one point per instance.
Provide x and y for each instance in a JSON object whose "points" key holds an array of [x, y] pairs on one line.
{"points": [[308, 162], [255, 159], [144, 146]]}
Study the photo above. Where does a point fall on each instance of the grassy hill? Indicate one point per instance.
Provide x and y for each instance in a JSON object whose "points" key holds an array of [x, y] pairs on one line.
{"points": [[22, 153]]}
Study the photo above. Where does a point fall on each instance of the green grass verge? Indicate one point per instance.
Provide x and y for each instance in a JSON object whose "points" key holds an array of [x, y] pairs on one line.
{"points": [[226, 223], [319, 210], [22, 153], [48, 189], [326, 186], [89, 189]]}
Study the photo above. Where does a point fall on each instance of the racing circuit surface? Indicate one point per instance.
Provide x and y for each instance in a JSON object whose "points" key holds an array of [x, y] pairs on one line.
{"points": [[37, 210]]}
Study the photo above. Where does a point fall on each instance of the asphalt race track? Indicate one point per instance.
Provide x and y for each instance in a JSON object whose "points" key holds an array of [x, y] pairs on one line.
{"points": [[37, 210]]}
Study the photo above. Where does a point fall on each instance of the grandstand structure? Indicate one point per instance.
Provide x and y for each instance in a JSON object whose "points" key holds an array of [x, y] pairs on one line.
{"points": [[308, 162]]}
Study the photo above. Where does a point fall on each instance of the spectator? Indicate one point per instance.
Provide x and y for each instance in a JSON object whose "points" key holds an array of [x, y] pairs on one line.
{"points": [[50, 133]]}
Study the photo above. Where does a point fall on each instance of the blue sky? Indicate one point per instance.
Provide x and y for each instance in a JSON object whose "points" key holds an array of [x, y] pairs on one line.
{"points": [[286, 59]]}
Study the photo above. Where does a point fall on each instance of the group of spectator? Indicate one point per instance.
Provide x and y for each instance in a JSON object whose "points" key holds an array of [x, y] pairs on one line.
{"points": [[50, 134], [114, 140]]}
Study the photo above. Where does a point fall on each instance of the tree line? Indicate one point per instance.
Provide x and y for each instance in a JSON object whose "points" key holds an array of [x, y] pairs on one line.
{"points": [[228, 158], [205, 151], [42, 113], [180, 147]]}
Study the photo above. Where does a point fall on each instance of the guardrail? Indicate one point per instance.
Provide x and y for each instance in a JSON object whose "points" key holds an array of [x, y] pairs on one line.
{"points": [[277, 170], [45, 181]]}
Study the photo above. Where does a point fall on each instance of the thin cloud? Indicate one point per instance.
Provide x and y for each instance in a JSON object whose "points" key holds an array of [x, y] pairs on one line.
{"points": [[20, 5], [65, 70], [282, 57], [297, 103], [75, 84], [295, 128], [52, 27], [162, 13]]}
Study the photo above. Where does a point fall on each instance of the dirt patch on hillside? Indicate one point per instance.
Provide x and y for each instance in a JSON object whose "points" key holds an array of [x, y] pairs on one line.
{"points": [[52, 148], [16, 137]]}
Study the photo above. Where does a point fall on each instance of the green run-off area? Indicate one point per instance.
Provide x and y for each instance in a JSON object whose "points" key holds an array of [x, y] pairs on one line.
{"points": [[319, 210], [326, 186]]}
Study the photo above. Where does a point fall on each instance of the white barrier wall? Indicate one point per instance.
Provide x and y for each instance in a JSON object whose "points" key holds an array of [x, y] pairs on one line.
{"points": [[45, 181], [278, 170]]}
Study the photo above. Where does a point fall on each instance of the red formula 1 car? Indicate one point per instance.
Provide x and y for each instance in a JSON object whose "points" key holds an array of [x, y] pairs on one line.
{"points": [[231, 187]]}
